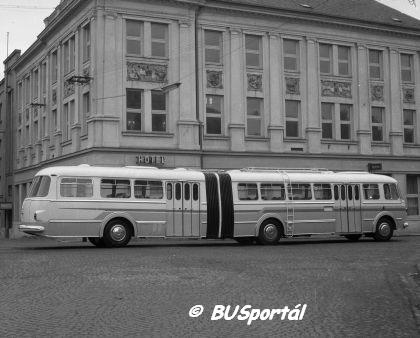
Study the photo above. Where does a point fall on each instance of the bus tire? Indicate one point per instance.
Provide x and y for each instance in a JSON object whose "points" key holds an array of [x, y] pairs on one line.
{"points": [[353, 238], [117, 233], [245, 240], [97, 241], [270, 232], [384, 230]]}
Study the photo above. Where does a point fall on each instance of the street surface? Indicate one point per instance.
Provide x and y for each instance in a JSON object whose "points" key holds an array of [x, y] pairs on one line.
{"points": [[366, 288]]}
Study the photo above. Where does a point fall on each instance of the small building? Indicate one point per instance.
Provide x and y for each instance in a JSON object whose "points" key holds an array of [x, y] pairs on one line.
{"points": [[218, 84]]}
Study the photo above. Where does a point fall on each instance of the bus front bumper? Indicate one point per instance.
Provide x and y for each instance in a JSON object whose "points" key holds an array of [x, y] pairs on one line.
{"points": [[31, 229]]}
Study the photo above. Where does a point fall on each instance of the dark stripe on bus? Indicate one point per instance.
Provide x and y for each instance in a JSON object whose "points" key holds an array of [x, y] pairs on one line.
{"points": [[212, 195], [227, 205]]}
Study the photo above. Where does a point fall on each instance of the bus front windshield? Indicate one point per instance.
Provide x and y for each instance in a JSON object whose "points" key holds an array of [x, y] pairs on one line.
{"points": [[40, 186]]}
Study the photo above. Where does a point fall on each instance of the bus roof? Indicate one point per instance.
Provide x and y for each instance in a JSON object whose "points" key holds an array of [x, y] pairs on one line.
{"points": [[243, 175]]}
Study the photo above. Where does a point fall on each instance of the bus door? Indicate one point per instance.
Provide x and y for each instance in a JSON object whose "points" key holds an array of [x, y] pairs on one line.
{"points": [[183, 209], [349, 206]]}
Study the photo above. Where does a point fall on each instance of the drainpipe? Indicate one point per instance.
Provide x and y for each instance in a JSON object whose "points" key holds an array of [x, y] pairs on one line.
{"points": [[197, 85]]}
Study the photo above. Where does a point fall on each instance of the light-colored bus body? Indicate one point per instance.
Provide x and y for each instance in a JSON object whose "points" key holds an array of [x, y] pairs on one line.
{"points": [[244, 204]]}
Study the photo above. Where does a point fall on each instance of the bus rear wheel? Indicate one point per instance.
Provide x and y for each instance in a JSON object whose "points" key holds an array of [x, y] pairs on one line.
{"points": [[117, 233], [269, 233], [384, 230]]}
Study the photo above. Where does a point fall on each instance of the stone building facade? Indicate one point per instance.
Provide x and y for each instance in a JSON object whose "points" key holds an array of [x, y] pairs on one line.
{"points": [[218, 84]]}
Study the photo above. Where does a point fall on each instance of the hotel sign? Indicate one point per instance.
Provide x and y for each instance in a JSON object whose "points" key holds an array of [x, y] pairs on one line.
{"points": [[374, 167], [150, 159]]}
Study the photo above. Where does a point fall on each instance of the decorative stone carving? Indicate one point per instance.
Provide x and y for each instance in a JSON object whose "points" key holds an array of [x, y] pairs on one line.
{"points": [[146, 72], [54, 96], [377, 92], [335, 88], [214, 79], [68, 88], [254, 82], [408, 95], [292, 86]]}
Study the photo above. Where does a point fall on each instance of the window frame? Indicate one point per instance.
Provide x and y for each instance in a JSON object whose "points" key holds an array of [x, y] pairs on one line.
{"points": [[328, 121], [378, 124], [218, 48], [411, 127], [378, 65], [413, 195], [291, 56], [76, 183], [164, 41], [135, 38], [155, 112], [293, 119], [259, 117], [258, 52], [409, 68], [133, 110], [344, 61], [325, 59], [213, 115]]}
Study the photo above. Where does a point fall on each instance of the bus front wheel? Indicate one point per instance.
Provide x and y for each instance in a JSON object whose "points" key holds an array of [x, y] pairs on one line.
{"points": [[269, 233], [117, 233], [384, 230]]}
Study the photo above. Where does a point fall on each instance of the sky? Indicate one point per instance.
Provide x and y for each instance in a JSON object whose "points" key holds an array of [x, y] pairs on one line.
{"points": [[23, 19]]}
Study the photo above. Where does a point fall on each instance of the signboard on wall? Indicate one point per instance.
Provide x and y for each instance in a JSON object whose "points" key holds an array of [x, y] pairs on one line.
{"points": [[374, 167], [157, 160]]}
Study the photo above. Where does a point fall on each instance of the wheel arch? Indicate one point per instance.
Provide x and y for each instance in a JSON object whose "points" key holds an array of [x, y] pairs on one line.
{"points": [[123, 217], [273, 216], [386, 215]]}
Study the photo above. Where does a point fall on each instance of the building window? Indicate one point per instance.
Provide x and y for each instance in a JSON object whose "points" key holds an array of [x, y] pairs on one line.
{"points": [[292, 118], [409, 123], [134, 33], [68, 119], [325, 58], [54, 66], [253, 51], [85, 111], [344, 68], [158, 111], [407, 68], [44, 126], [35, 77], [19, 95], [134, 109], [159, 34], [86, 43], [214, 105], [345, 121], [377, 123], [254, 116], [27, 90], [44, 78], [375, 64], [291, 55], [69, 55], [327, 112], [213, 46], [412, 184], [27, 135], [35, 133], [54, 119]]}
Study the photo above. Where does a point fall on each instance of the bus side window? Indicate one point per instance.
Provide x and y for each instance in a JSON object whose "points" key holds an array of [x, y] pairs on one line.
{"points": [[394, 192], [195, 192], [343, 192], [336, 197], [350, 192], [112, 188], [247, 191], [322, 191], [187, 192], [371, 191], [387, 192], [300, 191], [356, 192], [169, 191], [390, 192], [272, 191], [178, 191]]}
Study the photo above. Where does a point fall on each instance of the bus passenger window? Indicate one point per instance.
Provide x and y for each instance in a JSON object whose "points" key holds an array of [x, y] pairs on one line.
{"points": [[390, 192], [343, 192], [187, 192], [178, 191], [371, 191], [272, 191], [148, 189], [356, 192], [336, 197], [76, 187], [300, 191], [195, 192], [350, 192], [247, 191], [322, 191], [169, 191], [111, 188]]}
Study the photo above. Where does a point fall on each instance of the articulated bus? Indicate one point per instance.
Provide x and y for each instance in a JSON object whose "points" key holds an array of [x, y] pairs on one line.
{"points": [[109, 205]]}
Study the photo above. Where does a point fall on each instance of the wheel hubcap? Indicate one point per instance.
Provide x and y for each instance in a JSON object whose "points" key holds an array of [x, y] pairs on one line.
{"points": [[384, 229], [270, 231], [118, 232]]}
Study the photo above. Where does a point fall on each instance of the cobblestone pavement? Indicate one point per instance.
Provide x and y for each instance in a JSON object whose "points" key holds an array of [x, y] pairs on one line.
{"points": [[50, 288]]}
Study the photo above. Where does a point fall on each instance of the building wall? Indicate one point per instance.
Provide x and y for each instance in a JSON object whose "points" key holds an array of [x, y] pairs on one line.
{"points": [[120, 113]]}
